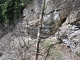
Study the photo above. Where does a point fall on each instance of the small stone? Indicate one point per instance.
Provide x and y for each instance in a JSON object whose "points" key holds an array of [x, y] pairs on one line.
{"points": [[1, 54]]}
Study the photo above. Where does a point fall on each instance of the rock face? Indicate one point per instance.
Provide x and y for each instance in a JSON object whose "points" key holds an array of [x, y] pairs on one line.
{"points": [[70, 29], [33, 13], [68, 25]]}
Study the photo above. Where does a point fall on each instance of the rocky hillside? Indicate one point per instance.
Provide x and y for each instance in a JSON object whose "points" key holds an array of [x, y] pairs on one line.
{"points": [[61, 21], [69, 23]]}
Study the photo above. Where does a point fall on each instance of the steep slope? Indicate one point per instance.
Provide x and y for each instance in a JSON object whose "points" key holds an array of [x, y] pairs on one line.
{"points": [[20, 44]]}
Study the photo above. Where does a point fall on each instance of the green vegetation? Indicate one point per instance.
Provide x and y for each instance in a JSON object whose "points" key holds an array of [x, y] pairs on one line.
{"points": [[53, 51], [11, 9]]}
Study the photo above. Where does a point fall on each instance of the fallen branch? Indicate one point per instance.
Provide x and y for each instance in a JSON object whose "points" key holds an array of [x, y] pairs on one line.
{"points": [[53, 11]]}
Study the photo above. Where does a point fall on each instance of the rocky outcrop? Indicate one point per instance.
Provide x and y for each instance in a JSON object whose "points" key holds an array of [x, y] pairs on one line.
{"points": [[70, 31], [68, 27], [69, 23], [69, 20]]}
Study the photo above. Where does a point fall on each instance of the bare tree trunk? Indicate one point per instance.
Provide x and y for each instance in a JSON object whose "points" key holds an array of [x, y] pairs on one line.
{"points": [[39, 30]]}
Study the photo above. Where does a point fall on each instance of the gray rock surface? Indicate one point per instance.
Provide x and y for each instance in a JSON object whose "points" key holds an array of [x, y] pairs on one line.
{"points": [[69, 21], [12, 46], [70, 31]]}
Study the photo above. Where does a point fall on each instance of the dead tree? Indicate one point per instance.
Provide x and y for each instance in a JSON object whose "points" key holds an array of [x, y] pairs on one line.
{"points": [[39, 30]]}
